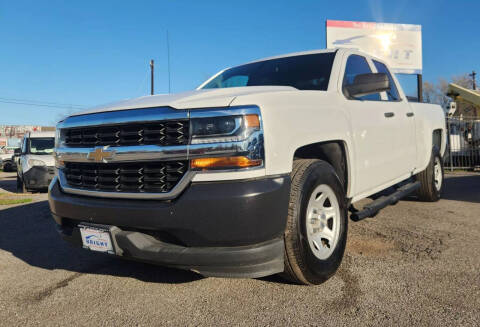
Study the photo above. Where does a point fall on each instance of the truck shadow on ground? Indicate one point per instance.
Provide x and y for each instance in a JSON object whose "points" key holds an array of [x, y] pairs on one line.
{"points": [[462, 188], [458, 188], [28, 232], [9, 183]]}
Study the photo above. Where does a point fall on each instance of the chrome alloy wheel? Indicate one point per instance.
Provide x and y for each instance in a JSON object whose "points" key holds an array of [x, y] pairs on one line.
{"points": [[323, 221], [437, 174]]}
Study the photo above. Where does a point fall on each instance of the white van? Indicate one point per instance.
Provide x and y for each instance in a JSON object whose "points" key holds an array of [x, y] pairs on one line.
{"points": [[36, 165]]}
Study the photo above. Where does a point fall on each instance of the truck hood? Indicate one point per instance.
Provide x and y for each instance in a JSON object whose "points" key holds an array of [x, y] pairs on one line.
{"points": [[188, 100], [4, 156]]}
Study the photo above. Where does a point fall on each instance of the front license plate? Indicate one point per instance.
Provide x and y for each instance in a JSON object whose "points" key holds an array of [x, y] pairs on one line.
{"points": [[96, 239]]}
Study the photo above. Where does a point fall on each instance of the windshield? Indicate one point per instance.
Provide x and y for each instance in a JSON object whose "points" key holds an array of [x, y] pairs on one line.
{"points": [[305, 72], [41, 145]]}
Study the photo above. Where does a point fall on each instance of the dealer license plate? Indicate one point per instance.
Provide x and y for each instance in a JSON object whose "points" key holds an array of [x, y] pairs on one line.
{"points": [[96, 239]]}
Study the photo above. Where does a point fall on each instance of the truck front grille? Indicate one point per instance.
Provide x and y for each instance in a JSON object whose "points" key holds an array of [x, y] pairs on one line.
{"points": [[147, 177], [164, 133]]}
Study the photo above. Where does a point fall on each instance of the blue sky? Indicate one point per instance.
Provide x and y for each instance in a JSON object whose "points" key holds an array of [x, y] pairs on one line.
{"points": [[93, 52]]}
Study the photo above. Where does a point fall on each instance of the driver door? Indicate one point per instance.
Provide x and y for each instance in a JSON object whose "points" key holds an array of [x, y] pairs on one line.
{"points": [[371, 131]]}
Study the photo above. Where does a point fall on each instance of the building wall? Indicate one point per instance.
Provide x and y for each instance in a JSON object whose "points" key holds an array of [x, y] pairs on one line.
{"points": [[467, 110], [14, 133]]}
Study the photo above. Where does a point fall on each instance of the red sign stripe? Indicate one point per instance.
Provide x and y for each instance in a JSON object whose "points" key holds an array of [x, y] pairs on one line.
{"points": [[347, 24]]}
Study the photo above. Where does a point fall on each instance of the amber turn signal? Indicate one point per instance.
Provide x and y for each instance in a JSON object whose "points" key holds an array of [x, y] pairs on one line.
{"points": [[224, 162], [252, 121]]}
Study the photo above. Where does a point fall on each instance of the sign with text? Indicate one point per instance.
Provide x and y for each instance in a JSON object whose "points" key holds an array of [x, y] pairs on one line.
{"points": [[398, 44]]}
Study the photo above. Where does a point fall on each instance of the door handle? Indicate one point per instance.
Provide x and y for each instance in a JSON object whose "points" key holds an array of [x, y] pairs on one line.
{"points": [[389, 114], [410, 114]]}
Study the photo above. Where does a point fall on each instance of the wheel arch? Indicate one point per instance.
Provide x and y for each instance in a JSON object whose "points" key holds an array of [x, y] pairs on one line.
{"points": [[335, 152], [437, 139]]}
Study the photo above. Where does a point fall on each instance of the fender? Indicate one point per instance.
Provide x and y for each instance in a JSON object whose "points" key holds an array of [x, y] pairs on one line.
{"points": [[293, 119], [429, 118]]}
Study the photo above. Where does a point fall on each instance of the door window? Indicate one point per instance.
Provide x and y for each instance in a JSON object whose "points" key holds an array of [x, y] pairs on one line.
{"points": [[393, 92], [357, 65]]}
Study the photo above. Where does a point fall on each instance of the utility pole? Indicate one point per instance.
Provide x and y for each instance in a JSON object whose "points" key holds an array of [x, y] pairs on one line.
{"points": [[473, 75], [151, 76], [420, 88]]}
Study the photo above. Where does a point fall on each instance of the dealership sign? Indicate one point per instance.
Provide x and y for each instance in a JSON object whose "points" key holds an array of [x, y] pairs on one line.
{"points": [[398, 44]]}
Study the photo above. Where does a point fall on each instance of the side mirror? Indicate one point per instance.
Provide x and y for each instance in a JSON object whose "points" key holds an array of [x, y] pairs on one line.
{"points": [[17, 152], [370, 83]]}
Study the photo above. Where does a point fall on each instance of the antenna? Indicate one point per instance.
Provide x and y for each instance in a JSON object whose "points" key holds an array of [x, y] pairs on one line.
{"points": [[168, 58]]}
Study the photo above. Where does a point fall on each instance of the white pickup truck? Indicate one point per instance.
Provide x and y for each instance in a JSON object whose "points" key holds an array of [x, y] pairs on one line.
{"points": [[251, 174]]}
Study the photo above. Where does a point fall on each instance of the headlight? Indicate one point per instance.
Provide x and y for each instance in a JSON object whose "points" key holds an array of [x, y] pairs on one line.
{"points": [[58, 163], [59, 142], [223, 128], [35, 162], [229, 139], [57, 137]]}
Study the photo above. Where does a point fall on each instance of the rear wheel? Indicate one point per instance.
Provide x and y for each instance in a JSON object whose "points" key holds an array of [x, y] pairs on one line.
{"points": [[316, 231], [431, 179], [7, 167]]}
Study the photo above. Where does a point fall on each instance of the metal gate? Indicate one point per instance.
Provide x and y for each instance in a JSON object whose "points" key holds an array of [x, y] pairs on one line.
{"points": [[463, 143]]}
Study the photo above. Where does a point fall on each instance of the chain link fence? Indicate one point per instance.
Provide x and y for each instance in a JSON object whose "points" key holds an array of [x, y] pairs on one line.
{"points": [[463, 143]]}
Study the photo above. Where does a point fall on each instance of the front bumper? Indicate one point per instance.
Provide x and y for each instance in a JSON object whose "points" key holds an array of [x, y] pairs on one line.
{"points": [[231, 228], [38, 177]]}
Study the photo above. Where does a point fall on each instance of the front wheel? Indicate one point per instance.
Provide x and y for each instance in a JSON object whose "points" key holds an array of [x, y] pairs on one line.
{"points": [[21, 187], [316, 231], [431, 179]]}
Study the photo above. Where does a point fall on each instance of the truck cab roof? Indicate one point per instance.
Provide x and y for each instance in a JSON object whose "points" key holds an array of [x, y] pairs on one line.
{"points": [[40, 134]]}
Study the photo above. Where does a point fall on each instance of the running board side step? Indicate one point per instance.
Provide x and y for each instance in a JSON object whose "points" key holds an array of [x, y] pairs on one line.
{"points": [[371, 209]]}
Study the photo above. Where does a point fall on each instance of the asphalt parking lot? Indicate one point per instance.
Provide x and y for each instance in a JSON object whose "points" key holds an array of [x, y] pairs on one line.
{"points": [[415, 263]]}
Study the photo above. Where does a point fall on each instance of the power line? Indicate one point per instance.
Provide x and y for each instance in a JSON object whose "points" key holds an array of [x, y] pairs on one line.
{"points": [[41, 105], [42, 102]]}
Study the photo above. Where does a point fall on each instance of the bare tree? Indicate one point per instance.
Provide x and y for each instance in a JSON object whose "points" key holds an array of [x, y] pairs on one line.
{"points": [[437, 93], [429, 92], [463, 80]]}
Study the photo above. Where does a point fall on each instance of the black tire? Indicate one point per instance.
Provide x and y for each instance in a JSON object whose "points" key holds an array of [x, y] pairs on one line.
{"points": [[7, 167], [21, 187], [428, 190], [301, 264]]}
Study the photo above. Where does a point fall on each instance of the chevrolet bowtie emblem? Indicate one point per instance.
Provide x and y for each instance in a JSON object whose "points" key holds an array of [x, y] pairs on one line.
{"points": [[100, 154]]}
